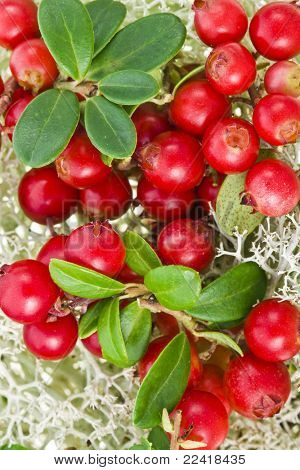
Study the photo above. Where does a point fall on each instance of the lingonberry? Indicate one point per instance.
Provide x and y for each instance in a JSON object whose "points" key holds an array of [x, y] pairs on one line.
{"points": [[149, 121], [126, 275], [231, 145], [283, 78], [53, 339], [197, 105], [220, 21], [275, 30], [80, 164], [276, 118], [14, 112], [20, 93], [96, 246], [1, 86], [18, 22], [204, 419], [33, 66], [208, 191], [272, 188], [164, 206], [211, 381], [91, 343], [173, 162], [167, 325], [53, 248], [108, 199], [256, 388], [27, 291], [186, 242], [272, 330], [231, 69], [156, 347], [43, 195]]}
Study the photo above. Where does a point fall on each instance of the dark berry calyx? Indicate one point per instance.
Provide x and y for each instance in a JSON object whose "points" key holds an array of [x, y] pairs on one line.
{"points": [[237, 137], [267, 406]]}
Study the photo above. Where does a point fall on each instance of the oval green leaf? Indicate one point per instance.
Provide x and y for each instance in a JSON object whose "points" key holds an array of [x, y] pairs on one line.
{"points": [[83, 282], [175, 287], [140, 256], [144, 445], [46, 127], [89, 321], [110, 128], [144, 45], [67, 30], [107, 17], [164, 384], [221, 338], [159, 439], [231, 296]]}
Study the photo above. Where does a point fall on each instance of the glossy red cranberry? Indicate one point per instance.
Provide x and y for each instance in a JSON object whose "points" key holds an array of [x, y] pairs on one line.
{"points": [[27, 291], [52, 340], [276, 118], [18, 22], [33, 66], [164, 206], [208, 191], [275, 30], [231, 145], [272, 188], [108, 199], [204, 419], [80, 164], [149, 121], [197, 105], [1, 86], [215, 25], [43, 195], [272, 330], [283, 78], [186, 242], [211, 381], [126, 275], [256, 388], [92, 344], [14, 112], [156, 347], [53, 248], [173, 162], [167, 325], [231, 69], [20, 93], [96, 246]]}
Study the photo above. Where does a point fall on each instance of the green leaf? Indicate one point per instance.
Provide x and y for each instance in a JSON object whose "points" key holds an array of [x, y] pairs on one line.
{"points": [[222, 339], [144, 45], [89, 321], [106, 160], [140, 256], [159, 439], [231, 296], [83, 282], [129, 87], [175, 287], [110, 128], [67, 30], [164, 384], [188, 76], [144, 445], [14, 447], [230, 212], [46, 127], [107, 17]]}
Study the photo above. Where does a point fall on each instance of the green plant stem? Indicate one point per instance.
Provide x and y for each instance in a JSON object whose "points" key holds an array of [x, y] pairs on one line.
{"points": [[87, 89]]}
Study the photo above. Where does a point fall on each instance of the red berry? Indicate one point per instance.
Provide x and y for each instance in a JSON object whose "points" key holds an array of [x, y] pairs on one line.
{"points": [[197, 105], [173, 162], [208, 191], [231, 145], [272, 188], [272, 330], [80, 164], [92, 344], [231, 69], [108, 199], [275, 30], [283, 78], [53, 248], [14, 112], [276, 118], [33, 66], [167, 325], [204, 419], [52, 340], [164, 206], [43, 195], [96, 246], [1, 86], [18, 22], [256, 388], [186, 242], [215, 25], [126, 275], [212, 381], [20, 93], [27, 291]]}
